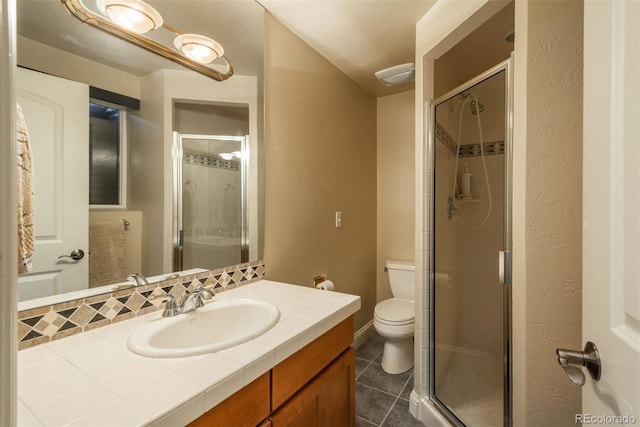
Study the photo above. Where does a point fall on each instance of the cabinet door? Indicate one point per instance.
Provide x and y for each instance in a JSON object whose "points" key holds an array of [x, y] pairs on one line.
{"points": [[328, 400], [246, 408]]}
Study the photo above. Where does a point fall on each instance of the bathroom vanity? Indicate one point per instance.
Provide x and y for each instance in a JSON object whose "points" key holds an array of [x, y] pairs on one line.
{"points": [[313, 387], [300, 372]]}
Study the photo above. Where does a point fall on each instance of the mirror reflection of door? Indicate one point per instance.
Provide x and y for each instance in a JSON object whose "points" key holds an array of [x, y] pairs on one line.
{"points": [[57, 117], [212, 204]]}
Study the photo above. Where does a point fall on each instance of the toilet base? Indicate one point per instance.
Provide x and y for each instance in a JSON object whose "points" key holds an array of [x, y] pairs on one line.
{"points": [[397, 356]]}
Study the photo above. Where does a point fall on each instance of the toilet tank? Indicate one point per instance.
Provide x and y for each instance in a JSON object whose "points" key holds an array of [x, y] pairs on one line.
{"points": [[401, 279]]}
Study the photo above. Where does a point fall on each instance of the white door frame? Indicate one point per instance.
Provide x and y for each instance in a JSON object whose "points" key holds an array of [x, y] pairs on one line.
{"points": [[8, 223]]}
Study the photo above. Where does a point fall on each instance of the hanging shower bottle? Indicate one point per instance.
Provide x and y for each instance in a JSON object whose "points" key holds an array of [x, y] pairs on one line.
{"points": [[465, 183]]}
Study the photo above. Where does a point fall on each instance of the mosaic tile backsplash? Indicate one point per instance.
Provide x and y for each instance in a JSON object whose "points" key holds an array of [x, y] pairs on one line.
{"points": [[43, 324]]}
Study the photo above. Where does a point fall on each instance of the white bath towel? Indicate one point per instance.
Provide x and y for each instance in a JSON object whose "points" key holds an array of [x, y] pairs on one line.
{"points": [[25, 191]]}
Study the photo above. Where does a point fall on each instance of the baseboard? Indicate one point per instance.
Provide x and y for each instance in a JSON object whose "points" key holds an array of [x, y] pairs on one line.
{"points": [[363, 334], [424, 411]]}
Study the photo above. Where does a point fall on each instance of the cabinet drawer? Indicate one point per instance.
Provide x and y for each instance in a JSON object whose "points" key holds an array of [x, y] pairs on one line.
{"points": [[294, 372]]}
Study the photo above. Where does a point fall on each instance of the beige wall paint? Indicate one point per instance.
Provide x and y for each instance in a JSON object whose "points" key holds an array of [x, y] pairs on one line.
{"points": [[206, 119], [39, 56], [320, 157], [395, 184], [548, 167], [479, 51]]}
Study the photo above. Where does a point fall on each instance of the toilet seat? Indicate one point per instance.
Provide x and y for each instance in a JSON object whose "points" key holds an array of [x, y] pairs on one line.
{"points": [[395, 312]]}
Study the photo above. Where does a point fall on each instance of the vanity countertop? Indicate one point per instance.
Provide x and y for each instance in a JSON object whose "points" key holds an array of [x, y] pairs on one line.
{"points": [[92, 379]]}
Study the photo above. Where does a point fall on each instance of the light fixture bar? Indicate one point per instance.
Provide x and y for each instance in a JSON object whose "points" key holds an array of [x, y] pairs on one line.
{"points": [[80, 11]]}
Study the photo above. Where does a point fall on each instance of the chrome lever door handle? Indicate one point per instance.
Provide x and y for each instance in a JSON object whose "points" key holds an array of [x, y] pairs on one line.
{"points": [[76, 255], [571, 359]]}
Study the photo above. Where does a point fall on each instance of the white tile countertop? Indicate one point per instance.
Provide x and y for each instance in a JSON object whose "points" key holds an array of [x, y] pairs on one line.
{"points": [[93, 379]]}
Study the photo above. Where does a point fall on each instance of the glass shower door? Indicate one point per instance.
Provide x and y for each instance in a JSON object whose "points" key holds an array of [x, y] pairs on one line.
{"points": [[211, 185], [470, 200]]}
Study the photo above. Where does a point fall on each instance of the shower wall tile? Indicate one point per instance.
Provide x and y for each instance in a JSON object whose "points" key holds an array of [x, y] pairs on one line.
{"points": [[212, 162], [468, 150], [53, 322]]}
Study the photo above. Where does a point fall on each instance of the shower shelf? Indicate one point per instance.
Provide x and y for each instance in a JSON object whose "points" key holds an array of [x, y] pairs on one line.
{"points": [[467, 200]]}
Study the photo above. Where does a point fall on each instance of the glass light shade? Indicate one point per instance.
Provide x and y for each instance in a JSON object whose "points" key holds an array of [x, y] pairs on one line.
{"points": [[199, 48], [226, 156], [134, 15]]}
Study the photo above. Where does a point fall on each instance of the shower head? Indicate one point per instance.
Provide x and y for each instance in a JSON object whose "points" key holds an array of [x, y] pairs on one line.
{"points": [[476, 108]]}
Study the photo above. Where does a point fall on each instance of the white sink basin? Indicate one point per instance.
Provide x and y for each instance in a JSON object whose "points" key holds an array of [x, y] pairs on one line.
{"points": [[216, 326]]}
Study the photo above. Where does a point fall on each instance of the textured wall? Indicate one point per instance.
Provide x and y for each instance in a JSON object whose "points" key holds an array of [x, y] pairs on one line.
{"points": [[548, 302], [320, 157], [396, 186]]}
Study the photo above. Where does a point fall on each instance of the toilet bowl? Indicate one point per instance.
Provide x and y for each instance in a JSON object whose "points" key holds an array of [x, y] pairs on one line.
{"points": [[394, 319]]}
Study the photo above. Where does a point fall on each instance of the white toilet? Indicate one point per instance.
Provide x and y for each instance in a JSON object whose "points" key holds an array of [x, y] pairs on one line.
{"points": [[394, 319]]}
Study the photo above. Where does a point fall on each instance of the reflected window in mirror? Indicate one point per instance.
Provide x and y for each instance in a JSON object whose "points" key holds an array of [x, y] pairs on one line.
{"points": [[107, 148]]}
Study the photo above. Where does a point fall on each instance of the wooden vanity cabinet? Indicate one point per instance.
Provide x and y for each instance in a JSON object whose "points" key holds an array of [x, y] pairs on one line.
{"points": [[249, 406], [328, 400], [313, 387]]}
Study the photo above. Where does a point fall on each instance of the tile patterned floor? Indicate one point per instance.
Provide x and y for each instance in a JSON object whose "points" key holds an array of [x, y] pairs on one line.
{"points": [[381, 399]]}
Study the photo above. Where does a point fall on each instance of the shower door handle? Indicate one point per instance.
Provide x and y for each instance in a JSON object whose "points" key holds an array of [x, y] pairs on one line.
{"points": [[504, 267]]}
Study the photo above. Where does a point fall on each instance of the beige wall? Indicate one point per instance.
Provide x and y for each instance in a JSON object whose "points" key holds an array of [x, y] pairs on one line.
{"points": [[547, 209], [395, 184], [207, 119], [41, 57], [320, 157], [479, 51]]}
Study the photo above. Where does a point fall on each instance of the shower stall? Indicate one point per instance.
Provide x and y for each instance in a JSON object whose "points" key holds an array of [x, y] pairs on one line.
{"points": [[470, 289], [210, 190]]}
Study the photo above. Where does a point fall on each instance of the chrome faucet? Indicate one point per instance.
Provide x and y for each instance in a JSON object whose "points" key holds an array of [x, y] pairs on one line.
{"points": [[192, 301], [195, 299], [137, 278]]}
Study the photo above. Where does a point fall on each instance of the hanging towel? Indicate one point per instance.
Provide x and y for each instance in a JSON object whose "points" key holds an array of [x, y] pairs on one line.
{"points": [[107, 253], [26, 202]]}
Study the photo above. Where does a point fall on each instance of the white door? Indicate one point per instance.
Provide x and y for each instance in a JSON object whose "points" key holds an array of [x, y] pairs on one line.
{"points": [[57, 116], [611, 202]]}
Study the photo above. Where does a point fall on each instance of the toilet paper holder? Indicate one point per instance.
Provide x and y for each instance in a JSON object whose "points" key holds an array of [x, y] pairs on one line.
{"points": [[319, 279], [326, 285]]}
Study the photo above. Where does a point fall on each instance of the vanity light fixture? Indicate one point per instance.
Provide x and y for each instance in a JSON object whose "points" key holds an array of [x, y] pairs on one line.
{"points": [[199, 48], [134, 15], [130, 19]]}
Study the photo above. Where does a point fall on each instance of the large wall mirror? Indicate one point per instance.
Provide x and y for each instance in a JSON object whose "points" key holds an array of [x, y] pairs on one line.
{"points": [[140, 164]]}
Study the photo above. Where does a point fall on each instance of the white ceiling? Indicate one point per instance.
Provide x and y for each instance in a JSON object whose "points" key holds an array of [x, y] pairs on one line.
{"points": [[357, 36]]}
